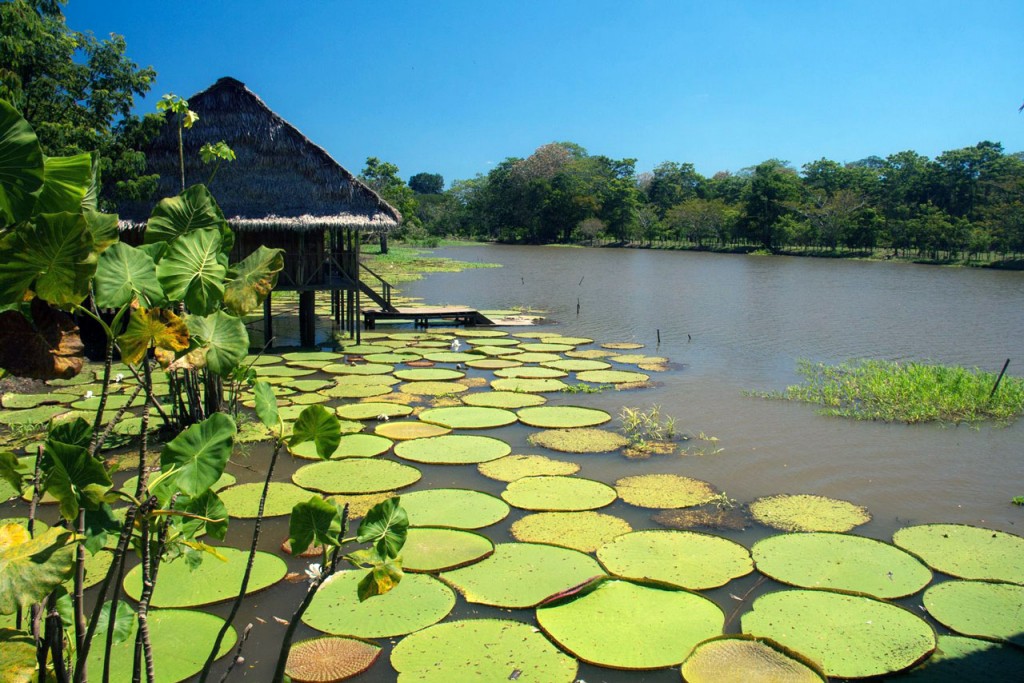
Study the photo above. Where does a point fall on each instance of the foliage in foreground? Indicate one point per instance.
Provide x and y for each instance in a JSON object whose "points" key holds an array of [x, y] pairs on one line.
{"points": [[907, 392]]}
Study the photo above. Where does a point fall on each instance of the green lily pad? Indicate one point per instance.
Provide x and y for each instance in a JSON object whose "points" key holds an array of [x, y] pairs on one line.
{"points": [[22, 401], [360, 503], [435, 549], [266, 359], [746, 658], [31, 416], [310, 364], [212, 581], [372, 411], [664, 491], [428, 374], [410, 429], [584, 531], [839, 561], [530, 372], [358, 369], [418, 601], [243, 500], [468, 417], [520, 575], [978, 608], [529, 386], [453, 449], [510, 400], [492, 341], [433, 388], [459, 508], [481, 649], [968, 660], [624, 625], [579, 440], [308, 384], [311, 355], [804, 512], [350, 446], [356, 390], [851, 636], [96, 567], [363, 349], [413, 336], [513, 467], [281, 371], [497, 351], [493, 363], [391, 358], [181, 640], [363, 380], [622, 346], [329, 658], [679, 558], [308, 399], [637, 359], [450, 356], [545, 347], [355, 475], [576, 365], [966, 552], [537, 357], [562, 417], [611, 376], [565, 494], [560, 339]]}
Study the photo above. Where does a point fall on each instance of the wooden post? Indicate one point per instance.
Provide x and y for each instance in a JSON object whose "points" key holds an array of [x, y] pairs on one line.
{"points": [[268, 323], [307, 318]]}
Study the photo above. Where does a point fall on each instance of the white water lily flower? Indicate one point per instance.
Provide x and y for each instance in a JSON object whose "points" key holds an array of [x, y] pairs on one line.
{"points": [[383, 417], [88, 394], [118, 377], [456, 345], [314, 571]]}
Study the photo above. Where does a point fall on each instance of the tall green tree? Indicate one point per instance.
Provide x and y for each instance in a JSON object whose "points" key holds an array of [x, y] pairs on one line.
{"points": [[773, 187], [427, 183]]}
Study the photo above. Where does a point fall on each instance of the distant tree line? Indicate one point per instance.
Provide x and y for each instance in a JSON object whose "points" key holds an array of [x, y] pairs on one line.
{"points": [[962, 204]]}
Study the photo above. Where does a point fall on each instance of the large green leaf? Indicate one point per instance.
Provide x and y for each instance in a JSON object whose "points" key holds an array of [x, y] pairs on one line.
{"points": [[31, 567], [200, 454], [193, 209], [192, 270], [319, 425], [21, 166], [314, 521], [250, 281], [124, 273], [266, 404], [103, 227], [52, 256], [74, 477], [223, 337], [386, 525], [207, 505], [65, 182]]}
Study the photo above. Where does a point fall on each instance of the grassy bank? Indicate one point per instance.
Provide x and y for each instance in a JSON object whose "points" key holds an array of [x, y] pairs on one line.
{"points": [[406, 264]]}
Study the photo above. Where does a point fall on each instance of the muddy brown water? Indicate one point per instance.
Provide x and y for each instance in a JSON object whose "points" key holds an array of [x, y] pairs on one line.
{"points": [[730, 324]]}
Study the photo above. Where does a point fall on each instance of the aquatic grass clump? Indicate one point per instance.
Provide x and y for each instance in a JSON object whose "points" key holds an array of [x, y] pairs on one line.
{"points": [[907, 392]]}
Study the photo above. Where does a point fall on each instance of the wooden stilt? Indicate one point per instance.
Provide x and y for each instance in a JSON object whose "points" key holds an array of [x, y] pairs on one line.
{"points": [[268, 323], [307, 318]]}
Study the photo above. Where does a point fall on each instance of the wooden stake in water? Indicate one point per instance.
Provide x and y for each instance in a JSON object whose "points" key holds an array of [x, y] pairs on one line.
{"points": [[998, 379], [659, 337], [577, 306]]}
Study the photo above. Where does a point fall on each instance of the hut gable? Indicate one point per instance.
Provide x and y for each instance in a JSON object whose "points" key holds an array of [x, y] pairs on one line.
{"points": [[280, 179]]}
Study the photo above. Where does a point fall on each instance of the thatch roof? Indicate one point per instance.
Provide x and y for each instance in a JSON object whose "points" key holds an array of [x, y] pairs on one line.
{"points": [[280, 179]]}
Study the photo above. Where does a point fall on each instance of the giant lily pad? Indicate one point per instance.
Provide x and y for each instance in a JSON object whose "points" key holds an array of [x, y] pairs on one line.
{"points": [[18, 401], [349, 446], [664, 491], [966, 552], [584, 531], [611, 376], [851, 636], [530, 372], [520, 575], [31, 416], [429, 375], [243, 500], [558, 494], [329, 659], [493, 363], [468, 417], [418, 601], [562, 417], [745, 658], [212, 581], [356, 390], [301, 356], [536, 357], [410, 429], [808, 513], [181, 640], [530, 386], [435, 549], [361, 503], [355, 475], [979, 608], [433, 388], [625, 625], [510, 400], [680, 558], [968, 660], [481, 649], [372, 411], [358, 369], [453, 449], [545, 347], [460, 508], [622, 346], [576, 364], [579, 440], [513, 467], [450, 356], [840, 561]]}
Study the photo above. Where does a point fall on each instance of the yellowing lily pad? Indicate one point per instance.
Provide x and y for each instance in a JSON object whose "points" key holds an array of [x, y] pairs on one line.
{"points": [[429, 374], [510, 400], [372, 411], [403, 430], [679, 558], [329, 658], [530, 372], [453, 449], [624, 625], [530, 386], [520, 575], [584, 531], [562, 417], [664, 491], [468, 417], [565, 494], [579, 440], [966, 552], [493, 363], [804, 512], [459, 508], [536, 357], [513, 467], [435, 549], [725, 659], [611, 376], [355, 475]]}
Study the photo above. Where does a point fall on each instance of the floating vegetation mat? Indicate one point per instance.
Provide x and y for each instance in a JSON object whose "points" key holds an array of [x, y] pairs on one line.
{"points": [[513, 467], [966, 552], [745, 658], [584, 531], [460, 508], [355, 475], [851, 636], [664, 491], [804, 512], [979, 608], [481, 649], [329, 659], [435, 549], [212, 581], [579, 440], [624, 625], [546, 493], [562, 417], [520, 575], [679, 558], [453, 449]]}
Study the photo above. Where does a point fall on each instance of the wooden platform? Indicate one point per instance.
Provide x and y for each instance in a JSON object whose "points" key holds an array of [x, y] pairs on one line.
{"points": [[421, 316]]}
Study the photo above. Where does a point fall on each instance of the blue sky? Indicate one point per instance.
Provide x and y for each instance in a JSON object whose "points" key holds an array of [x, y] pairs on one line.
{"points": [[453, 86]]}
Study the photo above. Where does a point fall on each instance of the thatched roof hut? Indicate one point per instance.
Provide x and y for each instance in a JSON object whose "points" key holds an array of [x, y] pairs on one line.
{"points": [[281, 180]]}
